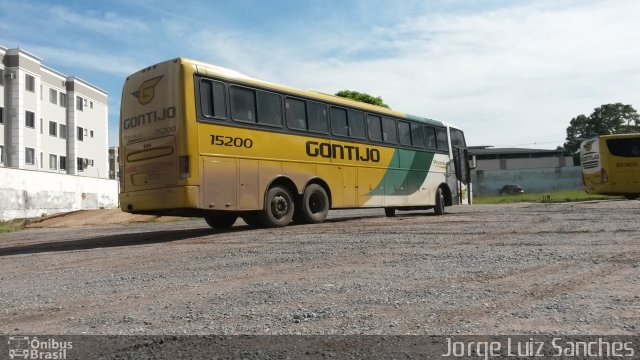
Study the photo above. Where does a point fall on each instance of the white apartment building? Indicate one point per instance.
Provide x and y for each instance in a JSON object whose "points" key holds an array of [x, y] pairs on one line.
{"points": [[49, 121]]}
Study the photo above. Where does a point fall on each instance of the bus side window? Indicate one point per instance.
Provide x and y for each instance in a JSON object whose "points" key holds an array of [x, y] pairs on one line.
{"points": [[404, 131], [431, 137], [441, 138], [356, 125], [339, 122], [295, 114], [374, 128], [243, 104], [269, 109], [389, 131], [317, 117], [417, 135], [212, 99]]}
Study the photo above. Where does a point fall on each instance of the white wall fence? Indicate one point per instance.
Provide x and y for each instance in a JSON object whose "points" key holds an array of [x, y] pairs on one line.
{"points": [[29, 194]]}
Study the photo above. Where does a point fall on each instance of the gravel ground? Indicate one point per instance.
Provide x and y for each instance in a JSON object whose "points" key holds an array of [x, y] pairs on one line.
{"points": [[484, 269]]}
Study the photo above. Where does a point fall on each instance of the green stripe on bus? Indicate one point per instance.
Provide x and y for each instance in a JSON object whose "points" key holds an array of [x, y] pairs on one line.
{"points": [[410, 175]]}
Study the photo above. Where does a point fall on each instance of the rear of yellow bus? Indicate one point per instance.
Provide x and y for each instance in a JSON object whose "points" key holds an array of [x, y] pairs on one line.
{"points": [[611, 165], [155, 163]]}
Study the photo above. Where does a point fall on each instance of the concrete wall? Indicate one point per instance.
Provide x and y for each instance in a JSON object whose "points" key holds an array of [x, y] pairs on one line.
{"points": [[28, 194], [524, 163], [487, 182]]}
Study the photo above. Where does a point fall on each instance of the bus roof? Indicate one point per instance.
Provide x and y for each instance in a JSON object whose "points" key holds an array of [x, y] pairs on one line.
{"points": [[633, 135], [218, 71]]}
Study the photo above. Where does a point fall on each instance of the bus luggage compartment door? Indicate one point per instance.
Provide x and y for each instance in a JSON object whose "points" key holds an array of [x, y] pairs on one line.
{"points": [[219, 179]]}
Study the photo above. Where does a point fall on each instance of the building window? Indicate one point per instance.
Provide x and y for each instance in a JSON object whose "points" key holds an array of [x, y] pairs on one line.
{"points": [[90, 104], [41, 160], [63, 131], [41, 126], [53, 128], [29, 83], [91, 133], [63, 100], [29, 156], [80, 134], [53, 96], [53, 162], [80, 163], [30, 119], [1, 154], [1, 115], [63, 162], [79, 105], [1, 77]]}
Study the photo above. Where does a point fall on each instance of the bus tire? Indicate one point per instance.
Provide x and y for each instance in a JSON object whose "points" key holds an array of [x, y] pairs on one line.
{"points": [[631, 196], [223, 221], [439, 208], [390, 211], [252, 219], [278, 208], [314, 205]]}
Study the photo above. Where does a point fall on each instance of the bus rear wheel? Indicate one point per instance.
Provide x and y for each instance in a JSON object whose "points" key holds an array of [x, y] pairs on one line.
{"points": [[439, 208], [631, 196], [314, 205], [278, 208], [390, 212], [220, 222]]}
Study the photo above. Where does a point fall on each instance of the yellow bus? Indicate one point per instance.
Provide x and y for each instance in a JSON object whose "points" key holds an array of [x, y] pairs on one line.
{"points": [[611, 165], [204, 141]]}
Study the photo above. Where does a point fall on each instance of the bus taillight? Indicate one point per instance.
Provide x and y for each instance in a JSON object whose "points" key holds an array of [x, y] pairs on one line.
{"points": [[603, 176], [183, 167]]}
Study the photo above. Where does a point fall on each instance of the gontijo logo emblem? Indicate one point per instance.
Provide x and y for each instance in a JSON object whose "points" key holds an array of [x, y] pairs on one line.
{"points": [[147, 90], [588, 144]]}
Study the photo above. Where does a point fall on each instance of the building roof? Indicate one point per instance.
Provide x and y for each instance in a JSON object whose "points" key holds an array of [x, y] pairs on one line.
{"points": [[487, 152]]}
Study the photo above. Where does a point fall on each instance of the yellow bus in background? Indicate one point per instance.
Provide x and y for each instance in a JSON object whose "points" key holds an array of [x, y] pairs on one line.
{"points": [[611, 165], [204, 141]]}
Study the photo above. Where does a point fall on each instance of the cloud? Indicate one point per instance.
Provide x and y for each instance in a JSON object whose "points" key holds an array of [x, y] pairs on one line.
{"points": [[508, 76]]}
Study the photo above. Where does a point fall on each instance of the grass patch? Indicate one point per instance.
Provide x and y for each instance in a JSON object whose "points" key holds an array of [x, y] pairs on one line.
{"points": [[546, 197], [14, 225]]}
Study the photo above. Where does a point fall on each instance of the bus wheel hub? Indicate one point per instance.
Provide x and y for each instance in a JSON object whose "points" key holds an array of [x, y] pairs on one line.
{"points": [[279, 206]]}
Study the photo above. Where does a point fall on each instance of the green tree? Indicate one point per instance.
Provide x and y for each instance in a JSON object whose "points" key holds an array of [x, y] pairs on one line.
{"points": [[607, 119], [362, 97]]}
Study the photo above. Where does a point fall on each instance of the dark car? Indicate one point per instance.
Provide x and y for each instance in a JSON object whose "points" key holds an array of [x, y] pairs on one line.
{"points": [[511, 189]]}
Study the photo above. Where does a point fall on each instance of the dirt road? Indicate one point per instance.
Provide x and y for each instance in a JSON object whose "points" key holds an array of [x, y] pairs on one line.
{"points": [[508, 269]]}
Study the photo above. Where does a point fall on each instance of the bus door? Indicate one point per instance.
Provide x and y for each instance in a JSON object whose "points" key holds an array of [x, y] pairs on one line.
{"points": [[463, 174]]}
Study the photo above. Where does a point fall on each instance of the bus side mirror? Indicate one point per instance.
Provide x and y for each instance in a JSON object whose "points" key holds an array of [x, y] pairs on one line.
{"points": [[472, 161]]}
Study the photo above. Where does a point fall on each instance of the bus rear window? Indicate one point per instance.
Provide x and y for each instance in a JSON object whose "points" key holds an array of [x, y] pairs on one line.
{"points": [[624, 147], [212, 99]]}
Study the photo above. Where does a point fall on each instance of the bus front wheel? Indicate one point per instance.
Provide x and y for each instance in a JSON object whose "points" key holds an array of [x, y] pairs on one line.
{"points": [[389, 212], [314, 205], [631, 196], [223, 221], [278, 208], [439, 208]]}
